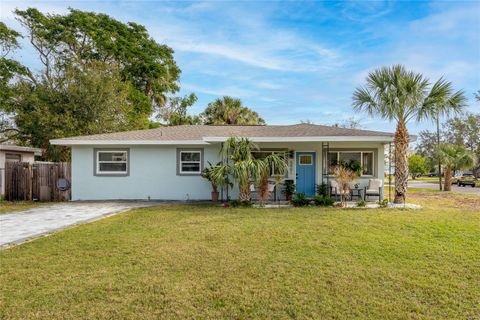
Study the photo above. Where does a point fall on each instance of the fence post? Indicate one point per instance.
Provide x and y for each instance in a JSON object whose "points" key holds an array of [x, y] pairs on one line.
{"points": [[30, 182]]}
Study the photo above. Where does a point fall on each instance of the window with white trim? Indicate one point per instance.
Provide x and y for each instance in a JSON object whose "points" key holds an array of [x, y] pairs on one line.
{"points": [[112, 162], [190, 162], [305, 160], [364, 158]]}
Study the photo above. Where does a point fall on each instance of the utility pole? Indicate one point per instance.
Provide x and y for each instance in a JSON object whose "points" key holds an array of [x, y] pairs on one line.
{"points": [[439, 161]]}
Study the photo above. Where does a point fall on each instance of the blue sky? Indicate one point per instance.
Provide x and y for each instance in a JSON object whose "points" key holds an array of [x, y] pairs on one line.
{"points": [[293, 61]]}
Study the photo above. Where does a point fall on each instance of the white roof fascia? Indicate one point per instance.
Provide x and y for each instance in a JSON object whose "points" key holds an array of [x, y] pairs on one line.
{"points": [[73, 142], [310, 139], [6, 147]]}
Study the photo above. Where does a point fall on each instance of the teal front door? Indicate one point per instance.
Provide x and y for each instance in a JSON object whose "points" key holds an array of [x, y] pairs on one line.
{"points": [[306, 172]]}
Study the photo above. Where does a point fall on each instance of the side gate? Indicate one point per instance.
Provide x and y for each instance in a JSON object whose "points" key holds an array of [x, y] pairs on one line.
{"points": [[40, 181]]}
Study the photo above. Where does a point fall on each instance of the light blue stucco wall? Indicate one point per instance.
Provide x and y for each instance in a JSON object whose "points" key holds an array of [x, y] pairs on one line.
{"points": [[152, 174]]}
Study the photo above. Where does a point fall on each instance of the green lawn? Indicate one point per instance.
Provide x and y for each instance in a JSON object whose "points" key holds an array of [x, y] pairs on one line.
{"points": [[427, 179], [202, 262], [7, 206]]}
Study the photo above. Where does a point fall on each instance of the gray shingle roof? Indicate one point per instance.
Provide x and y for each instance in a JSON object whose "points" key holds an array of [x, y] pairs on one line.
{"points": [[198, 132], [10, 147]]}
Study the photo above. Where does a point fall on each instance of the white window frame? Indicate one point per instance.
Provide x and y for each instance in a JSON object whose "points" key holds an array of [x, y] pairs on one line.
{"points": [[98, 172], [361, 160], [305, 155], [180, 162]]}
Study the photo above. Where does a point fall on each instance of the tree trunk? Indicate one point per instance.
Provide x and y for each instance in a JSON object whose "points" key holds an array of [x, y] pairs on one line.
{"points": [[448, 179], [401, 162], [244, 192]]}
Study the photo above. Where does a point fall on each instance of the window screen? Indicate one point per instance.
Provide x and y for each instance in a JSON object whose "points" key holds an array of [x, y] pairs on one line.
{"points": [[112, 162], [190, 162]]}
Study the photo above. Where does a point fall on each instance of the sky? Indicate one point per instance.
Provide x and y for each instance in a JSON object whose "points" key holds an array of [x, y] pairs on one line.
{"points": [[296, 61]]}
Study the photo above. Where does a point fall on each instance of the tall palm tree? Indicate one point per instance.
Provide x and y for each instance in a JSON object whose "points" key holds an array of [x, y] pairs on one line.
{"points": [[443, 102], [393, 93], [454, 157], [230, 111]]}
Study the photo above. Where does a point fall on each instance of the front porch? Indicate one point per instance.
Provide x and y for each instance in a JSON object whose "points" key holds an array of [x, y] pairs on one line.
{"points": [[308, 164]]}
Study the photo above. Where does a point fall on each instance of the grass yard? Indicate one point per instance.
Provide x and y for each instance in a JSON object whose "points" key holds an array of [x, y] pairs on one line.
{"points": [[179, 261], [7, 206], [427, 179]]}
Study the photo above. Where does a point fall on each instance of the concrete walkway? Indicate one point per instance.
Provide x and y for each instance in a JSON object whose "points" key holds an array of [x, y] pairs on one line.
{"points": [[429, 185], [20, 226]]}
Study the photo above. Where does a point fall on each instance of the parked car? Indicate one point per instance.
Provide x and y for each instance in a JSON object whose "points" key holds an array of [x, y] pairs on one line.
{"points": [[467, 179], [456, 178]]}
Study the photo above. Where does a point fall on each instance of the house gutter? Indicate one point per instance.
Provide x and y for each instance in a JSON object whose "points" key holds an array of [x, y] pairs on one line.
{"points": [[311, 139], [75, 142], [209, 140]]}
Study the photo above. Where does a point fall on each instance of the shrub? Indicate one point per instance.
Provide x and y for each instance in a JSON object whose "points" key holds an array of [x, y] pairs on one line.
{"points": [[300, 200], [323, 201], [383, 203], [289, 189], [322, 189], [361, 203], [240, 204]]}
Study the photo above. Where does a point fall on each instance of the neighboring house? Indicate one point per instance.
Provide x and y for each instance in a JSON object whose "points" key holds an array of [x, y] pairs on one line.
{"points": [[166, 163], [11, 153]]}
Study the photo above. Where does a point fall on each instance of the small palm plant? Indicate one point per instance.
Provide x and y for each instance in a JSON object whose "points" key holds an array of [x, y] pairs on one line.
{"points": [[454, 157], [273, 162], [215, 180], [240, 164], [344, 176]]}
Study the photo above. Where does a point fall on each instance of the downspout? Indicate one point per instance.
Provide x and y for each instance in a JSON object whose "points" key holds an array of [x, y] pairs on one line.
{"points": [[439, 161]]}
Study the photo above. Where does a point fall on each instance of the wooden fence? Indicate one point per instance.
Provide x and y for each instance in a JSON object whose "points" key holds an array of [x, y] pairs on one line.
{"points": [[37, 181]]}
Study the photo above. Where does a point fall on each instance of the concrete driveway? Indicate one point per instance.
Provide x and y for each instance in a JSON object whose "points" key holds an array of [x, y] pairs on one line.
{"points": [[430, 185], [20, 226]]}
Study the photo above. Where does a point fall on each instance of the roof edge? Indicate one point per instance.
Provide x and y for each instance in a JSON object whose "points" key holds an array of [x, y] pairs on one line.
{"points": [[386, 138], [35, 151], [71, 142]]}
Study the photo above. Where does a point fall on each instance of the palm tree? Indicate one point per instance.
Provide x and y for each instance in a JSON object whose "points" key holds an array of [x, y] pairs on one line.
{"points": [[230, 111], [240, 164], [443, 101], [272, 165], [393, 93], [454, 157]]}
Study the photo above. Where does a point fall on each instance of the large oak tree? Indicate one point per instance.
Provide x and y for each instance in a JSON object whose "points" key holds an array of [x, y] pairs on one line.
{"points": [[99, 75]]}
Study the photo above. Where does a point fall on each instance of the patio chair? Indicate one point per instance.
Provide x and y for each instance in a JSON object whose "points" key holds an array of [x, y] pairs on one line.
{"points": [[271, 189], [336, 192], [374, 189], [253, 191]]}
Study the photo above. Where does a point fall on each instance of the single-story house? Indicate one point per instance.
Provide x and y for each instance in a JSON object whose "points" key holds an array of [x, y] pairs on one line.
{"points": [[165, 163], [12, 153]]}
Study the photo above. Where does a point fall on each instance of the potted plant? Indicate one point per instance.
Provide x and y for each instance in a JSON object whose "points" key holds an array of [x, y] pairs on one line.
{"points": [[289, 189], [344, 176], [215, 180]]}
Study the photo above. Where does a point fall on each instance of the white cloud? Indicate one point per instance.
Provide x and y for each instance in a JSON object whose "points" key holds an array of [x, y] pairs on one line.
{"points": [[219, 92]]}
